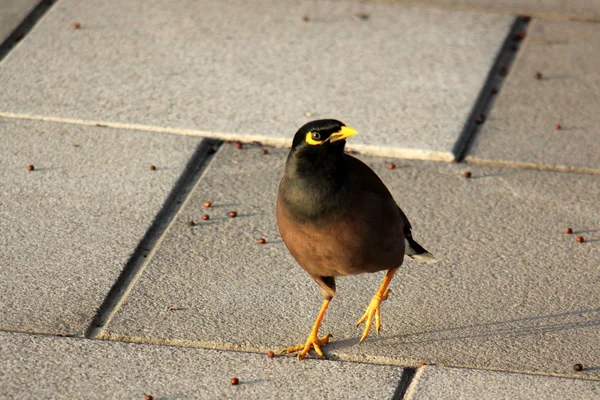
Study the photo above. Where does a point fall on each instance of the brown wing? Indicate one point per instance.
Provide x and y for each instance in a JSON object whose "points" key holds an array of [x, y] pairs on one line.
{"points": [[366, 236]]}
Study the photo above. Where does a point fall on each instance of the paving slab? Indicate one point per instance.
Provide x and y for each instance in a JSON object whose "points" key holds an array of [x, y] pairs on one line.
{"points": [[464, 384], [69, 227], [405, 77], [12, 13], [521, 128], [510, 292], [588, 10], [67, 368]]}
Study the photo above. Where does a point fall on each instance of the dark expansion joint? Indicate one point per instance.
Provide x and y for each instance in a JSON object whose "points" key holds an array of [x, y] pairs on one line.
{"points": [[136, 264]]}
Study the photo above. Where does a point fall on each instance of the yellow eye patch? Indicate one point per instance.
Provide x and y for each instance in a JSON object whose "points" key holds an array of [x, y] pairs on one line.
{"points": [[311, 141]]}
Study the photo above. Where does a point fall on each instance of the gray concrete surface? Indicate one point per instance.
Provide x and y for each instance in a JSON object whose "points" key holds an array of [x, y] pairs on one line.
{"points": [[588, 10], [406, 78], [69, 227], [12, 13], [67, 368], [463, 384], [510, 292], [521, 127]]}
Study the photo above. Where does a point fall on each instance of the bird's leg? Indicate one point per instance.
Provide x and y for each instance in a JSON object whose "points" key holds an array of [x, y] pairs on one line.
{"points": [[313, 339], [374, 306]]}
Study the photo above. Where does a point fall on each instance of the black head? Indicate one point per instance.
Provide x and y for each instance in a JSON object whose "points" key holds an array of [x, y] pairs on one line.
{"points": [[322, 133]]}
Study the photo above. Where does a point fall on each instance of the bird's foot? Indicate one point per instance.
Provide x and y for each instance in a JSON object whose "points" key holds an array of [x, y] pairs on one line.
{"points": [[374, 309], [312, 341]]}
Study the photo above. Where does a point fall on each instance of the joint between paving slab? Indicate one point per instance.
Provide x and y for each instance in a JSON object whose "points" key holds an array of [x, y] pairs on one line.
{"points": [[485, 100], [147, 247], [19, 33], [406, 380], [523, 165]]}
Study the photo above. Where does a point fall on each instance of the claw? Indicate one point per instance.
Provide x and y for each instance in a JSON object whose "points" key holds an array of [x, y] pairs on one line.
{"points": [[373, 310], [312, 341]]}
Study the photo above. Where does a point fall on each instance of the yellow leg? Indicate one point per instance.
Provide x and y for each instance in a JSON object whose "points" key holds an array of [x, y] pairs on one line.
{"points": [[313, 339], [374, 306]]}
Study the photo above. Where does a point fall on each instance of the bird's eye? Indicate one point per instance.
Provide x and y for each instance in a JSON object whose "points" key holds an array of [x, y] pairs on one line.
{"points": [[316, 136]]}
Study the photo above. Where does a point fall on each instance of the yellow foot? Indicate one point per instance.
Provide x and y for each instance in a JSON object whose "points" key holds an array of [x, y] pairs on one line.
{"points": [[312, 341], [373, 310]]}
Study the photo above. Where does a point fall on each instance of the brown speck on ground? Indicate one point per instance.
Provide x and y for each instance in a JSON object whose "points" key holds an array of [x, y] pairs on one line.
{"points": [[305, 18], [270, 354], [578, 367], [153, 168], [239, 145], [264, 152], [174, 308], [568, 231], [30, 167], [262, 241], [206, 217], [235, 381], [467, 174], [391, 166], [580, 239], [538, 75], [557, 127], [232, 214], [76, 25], [190, 223], [148, 397], [207, 204], [480, 119]]}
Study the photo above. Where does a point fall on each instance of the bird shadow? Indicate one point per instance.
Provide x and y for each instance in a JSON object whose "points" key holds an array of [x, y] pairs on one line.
{"points": [[525, 326]]}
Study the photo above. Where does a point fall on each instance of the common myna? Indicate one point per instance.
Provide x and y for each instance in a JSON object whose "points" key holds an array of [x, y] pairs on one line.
{"points": [[337, 218]]}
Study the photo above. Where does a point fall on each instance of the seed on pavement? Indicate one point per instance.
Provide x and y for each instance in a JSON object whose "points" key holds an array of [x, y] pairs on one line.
{"points": [[235, 381], [580, 239], [207, 204]]}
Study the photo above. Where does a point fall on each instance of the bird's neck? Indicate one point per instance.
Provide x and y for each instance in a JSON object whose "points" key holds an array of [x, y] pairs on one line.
{"points": [[315, 186]]}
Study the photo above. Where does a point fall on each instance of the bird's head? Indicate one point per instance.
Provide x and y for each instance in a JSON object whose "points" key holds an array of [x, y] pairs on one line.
{"points": [[322, 134]]}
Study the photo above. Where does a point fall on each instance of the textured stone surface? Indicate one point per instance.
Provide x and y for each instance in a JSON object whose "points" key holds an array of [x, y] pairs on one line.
{"points": [[521, 127], [511, 291], [63, 368], [465, 384], [588, 10], [406, 78], [69, 227], [12, 12]]}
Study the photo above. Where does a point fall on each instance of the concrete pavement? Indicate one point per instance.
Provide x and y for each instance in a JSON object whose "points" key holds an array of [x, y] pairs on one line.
{"points": [[114, 115]]}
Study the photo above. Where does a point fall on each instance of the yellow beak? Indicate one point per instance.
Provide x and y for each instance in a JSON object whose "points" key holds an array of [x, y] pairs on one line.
{"points": [[342, 134]]}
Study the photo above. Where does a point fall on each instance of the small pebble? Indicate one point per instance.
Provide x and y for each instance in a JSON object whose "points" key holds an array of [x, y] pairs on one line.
{"points": [[264, 152], [235, 381], [308, 114], [305, 18], [557, 127], [467, 174], [30, 167], [174, 308], [232, 214], [76, 25], [262, 241], [362, 16], [578, 367], [152, 168], [538, 75], [206, 217], [148, 397], [207, 204], [520, 35], [580, 239], [568, 231], [191, 223], [392, 166], [239, 145], [270, 354]]}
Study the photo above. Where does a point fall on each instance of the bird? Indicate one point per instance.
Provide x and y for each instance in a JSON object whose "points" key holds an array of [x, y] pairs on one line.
{"points": [[337, 218]]}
